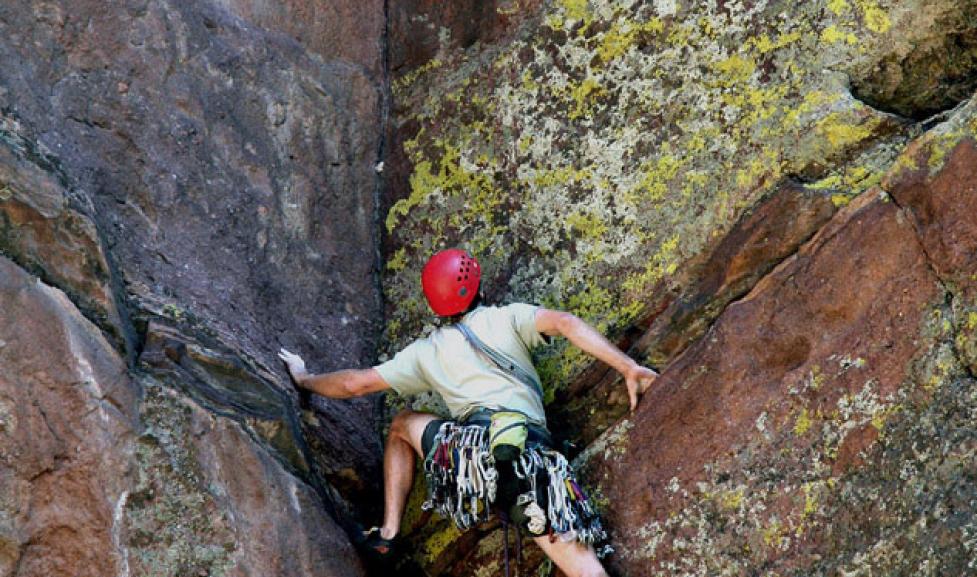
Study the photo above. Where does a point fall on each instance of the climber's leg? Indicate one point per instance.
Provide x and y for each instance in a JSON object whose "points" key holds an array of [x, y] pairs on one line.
{"points": [[403, 442], [572, 557]]}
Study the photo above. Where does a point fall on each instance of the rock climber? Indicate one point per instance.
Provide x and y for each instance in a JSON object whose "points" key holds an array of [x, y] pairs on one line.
{"points": [[496, 446]]}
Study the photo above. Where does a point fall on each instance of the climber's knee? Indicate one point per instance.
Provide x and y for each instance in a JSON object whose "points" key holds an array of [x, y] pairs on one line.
{"points": [[409, 426], [400, 425], [573, 558]]}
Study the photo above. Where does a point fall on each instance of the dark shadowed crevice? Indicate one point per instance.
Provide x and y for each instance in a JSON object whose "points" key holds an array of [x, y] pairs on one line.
{"points": [[935, 75], [380, 187], [134, 340]]}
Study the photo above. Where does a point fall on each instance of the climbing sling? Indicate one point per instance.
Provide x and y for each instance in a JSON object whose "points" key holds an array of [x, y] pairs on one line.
{"points": [[508, 430], [501, 360]]}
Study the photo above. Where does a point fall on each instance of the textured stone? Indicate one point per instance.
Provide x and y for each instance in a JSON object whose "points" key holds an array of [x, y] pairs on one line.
{"points": [[821, 327], [209, 500], [227, 382], [101, 474], [67, 417], [763, 238], [42, 232], [942, 207], [925, 73], [351, 31], [229, 169], [421, 29]]}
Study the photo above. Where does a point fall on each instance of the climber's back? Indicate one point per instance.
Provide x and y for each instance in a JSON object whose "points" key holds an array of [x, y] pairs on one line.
{"points": [[447, 363]]}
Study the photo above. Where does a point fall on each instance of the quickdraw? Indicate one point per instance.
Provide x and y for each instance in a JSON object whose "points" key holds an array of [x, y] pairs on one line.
{"points": [[461, 479], [462, 485], [570, 514]]}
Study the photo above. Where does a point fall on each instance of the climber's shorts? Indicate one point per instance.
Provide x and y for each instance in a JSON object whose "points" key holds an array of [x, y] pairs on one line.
{"points": [[430, 432]]}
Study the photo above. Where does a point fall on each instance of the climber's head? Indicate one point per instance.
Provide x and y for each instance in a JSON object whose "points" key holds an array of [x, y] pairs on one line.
{"points": [[451, 280]]}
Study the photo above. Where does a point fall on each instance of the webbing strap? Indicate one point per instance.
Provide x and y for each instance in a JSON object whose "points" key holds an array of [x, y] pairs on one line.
{"points": [[505, 544], [502, 360]]}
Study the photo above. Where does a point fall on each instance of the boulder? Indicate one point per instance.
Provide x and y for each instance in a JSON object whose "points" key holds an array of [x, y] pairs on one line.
{"points": [[105, 474], [222, 154], [68, 421]]}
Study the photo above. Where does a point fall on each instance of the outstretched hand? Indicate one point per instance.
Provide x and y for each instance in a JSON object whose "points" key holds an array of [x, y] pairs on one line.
{"points": [[295, 364], [638, 380]]}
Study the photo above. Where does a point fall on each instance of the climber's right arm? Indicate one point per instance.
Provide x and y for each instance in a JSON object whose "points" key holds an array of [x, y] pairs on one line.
{"points": [[342, 384]]}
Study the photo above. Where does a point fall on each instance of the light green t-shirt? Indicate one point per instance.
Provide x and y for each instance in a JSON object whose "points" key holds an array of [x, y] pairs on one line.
{"points": [[446, 362]]}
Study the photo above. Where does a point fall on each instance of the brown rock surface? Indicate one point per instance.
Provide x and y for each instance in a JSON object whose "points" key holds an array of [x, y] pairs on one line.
{"points": [[826, 303], [350, 31], [101, 474], [67, 419], [943, 207], [208, 499], [762, 239], [42, 232], [419, 29]]}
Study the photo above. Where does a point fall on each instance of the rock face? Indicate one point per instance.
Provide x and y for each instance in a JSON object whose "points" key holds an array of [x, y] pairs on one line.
{"points": [[743, 195], [104, 474], [770, 201], [68, 425], [42, 231], [187, 127], [199, 180]]}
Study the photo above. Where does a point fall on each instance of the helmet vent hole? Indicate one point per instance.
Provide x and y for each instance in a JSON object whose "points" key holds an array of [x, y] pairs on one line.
{"points": [[459, 279]]}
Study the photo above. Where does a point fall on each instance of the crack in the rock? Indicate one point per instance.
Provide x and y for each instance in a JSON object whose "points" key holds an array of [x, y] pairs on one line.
{"points": [[867, 103], [917, 235], [943, 283], [130, 335], [30, 151], [380, 180]]}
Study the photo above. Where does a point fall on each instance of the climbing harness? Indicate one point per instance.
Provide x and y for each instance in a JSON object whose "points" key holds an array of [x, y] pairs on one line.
{"points": [[462, 482]]}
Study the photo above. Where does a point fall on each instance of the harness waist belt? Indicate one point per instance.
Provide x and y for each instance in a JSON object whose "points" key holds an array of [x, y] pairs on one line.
{"points": [[537, 434]]}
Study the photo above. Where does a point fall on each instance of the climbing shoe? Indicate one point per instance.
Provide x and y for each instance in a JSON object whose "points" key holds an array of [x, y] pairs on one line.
{"points": [[374, 547]]}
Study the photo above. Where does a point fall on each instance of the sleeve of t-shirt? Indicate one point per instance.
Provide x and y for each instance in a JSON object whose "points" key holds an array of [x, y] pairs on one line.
{"points": [[403, 372], [524, 320]]}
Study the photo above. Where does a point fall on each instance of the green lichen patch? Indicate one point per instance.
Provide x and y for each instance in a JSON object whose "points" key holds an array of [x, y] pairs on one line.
{"points": [[591, 158], [174, 525]]}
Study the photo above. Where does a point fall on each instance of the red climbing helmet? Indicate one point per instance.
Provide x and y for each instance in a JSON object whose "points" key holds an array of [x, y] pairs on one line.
{"points": [[450, 280]]}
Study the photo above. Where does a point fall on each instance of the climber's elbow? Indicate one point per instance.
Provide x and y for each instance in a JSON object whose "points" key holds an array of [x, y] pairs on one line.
{"points": [[363, 382], [556, 323]]}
